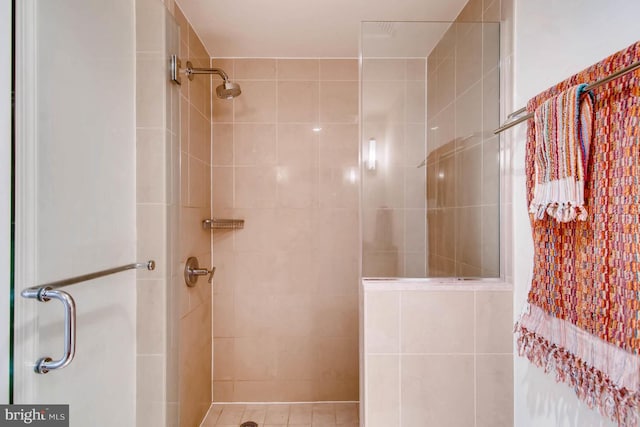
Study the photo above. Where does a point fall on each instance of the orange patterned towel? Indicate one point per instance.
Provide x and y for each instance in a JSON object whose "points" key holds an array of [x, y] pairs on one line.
{"points": [[563, 135], [582, 322]]}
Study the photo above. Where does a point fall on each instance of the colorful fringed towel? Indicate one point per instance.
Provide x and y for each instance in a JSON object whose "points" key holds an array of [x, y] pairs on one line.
{"points": [[582, 322], [563, 134]]}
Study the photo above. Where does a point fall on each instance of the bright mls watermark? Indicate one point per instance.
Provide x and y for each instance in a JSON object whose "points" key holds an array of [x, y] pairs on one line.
{"points": [[34, 415]]}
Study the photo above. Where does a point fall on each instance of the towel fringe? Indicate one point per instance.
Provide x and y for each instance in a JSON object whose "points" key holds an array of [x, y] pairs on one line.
{"points": [[591, 385]]}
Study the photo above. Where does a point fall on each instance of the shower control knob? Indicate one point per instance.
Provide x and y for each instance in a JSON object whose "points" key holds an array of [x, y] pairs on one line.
{"points": [[192, 271]]}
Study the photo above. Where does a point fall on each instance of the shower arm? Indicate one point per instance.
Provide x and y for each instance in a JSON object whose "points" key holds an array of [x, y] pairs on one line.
{"points": [[191, 71]]}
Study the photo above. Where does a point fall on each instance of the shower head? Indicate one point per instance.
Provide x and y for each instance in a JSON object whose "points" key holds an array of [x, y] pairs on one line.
{"points": [[228, 90]]}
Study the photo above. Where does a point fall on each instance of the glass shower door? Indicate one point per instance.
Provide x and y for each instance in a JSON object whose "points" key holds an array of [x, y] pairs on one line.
{"points": [[75, 203]]}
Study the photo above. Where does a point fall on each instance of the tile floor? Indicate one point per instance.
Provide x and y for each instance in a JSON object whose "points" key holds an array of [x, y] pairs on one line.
{"points": [[283, 415]]}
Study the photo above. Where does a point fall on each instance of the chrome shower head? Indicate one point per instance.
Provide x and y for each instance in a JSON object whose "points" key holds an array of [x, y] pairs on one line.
{"points": [[228, 90]]}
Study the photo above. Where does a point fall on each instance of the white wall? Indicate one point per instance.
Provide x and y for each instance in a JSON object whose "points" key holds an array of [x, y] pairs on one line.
{"points": [[5, 192], [553, 40]]}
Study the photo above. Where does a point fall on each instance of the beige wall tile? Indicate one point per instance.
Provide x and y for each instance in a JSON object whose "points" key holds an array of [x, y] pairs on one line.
{"points": [[469, 236], [491, 104], [184, 25], [383, 69], [223, 391], [468, 111], [222, 145], [222, 178], [415, 230], [382, 322], [381, 102], [415, 99], [223, 109], [199, 183], [150, 220], [254, 391], [184, 123], [200, 92], [150, 166], [294, 317], [150, 76], [298, 102], [338, 146], [255, 358], [338, 102], [195, 377], [298, 69], [255, 187], [339, 69], [437, 322], [149, 26], [227, 65], [254, 144], [415, 190], [255, 69], [150, 381], [437, 390], [199, 136], [468, 55], [382, 391], [415, 69], [150, 333], [446, 83], [295, 358], [472, 12], [491, 10], [491, 241], [194, 240], [491, 171], [223, 359], [298, 145], [257, 103], [469, 180], [338, 187], [494, 312], [297, 187], [494, 391], [223, 316]]}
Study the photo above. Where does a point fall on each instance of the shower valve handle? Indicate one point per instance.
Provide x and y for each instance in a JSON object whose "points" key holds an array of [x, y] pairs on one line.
{"points": [[192, 271]]}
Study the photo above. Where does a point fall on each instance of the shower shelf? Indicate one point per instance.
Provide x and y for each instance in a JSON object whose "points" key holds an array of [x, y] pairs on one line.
{"points": [[223, 224]]}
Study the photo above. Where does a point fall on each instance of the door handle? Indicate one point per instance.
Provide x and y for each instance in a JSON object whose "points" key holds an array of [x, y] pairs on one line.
{"points": [[46, 364]]}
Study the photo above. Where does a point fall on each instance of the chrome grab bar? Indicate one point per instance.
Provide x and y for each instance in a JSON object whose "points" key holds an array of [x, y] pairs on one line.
{"points": [[44, 293]]}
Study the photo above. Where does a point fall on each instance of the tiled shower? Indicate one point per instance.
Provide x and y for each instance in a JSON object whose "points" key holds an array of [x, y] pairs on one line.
{"points": [[286, 316]]}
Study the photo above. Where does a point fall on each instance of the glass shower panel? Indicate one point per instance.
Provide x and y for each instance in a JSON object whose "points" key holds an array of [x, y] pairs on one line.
{"points": [[430, 161]]}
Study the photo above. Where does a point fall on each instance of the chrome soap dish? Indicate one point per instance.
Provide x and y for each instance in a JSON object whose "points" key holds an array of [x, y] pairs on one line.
{"points": [[223, 224]]}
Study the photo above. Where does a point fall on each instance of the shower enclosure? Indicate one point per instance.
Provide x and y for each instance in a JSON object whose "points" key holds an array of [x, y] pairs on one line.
{"points": [[435, 317], [431, 163]]}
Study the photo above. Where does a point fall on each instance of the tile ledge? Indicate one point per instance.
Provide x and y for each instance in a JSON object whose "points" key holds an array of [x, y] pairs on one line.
{"points": [[435, 284]]}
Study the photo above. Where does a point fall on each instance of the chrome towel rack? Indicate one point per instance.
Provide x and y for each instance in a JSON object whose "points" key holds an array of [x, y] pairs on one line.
{"points": [[513, 119], [49, 291]]}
